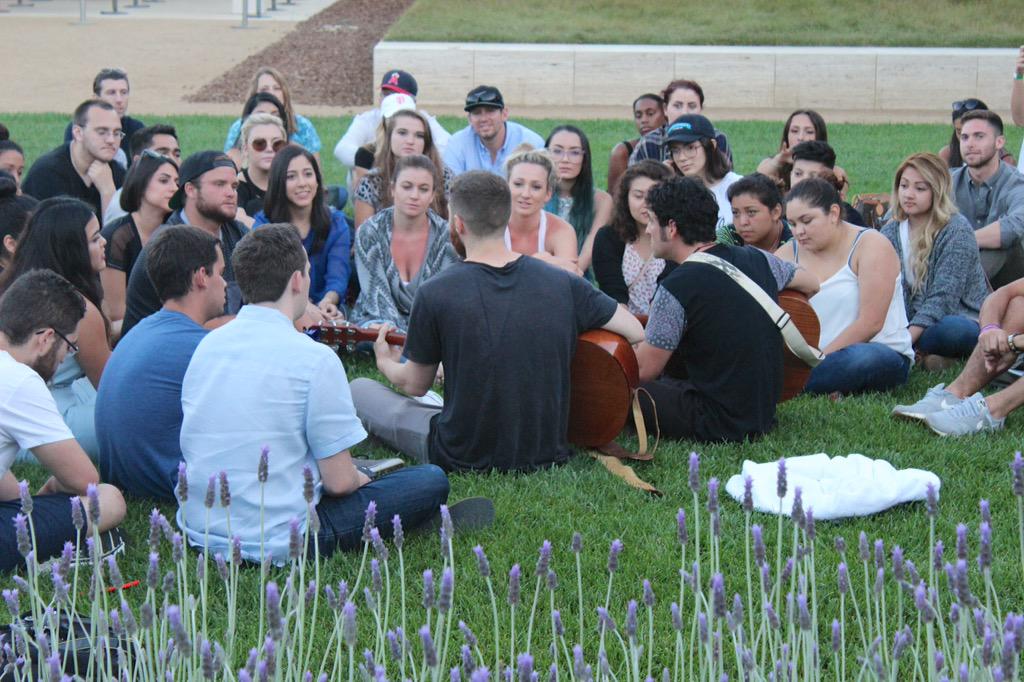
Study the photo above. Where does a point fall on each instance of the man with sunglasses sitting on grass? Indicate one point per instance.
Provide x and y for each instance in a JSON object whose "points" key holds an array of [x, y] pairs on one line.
{"points": [[490, 137]]}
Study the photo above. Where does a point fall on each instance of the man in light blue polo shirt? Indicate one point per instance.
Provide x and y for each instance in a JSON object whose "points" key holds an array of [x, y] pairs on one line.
{"points": [[257, 383], [490, 137]]}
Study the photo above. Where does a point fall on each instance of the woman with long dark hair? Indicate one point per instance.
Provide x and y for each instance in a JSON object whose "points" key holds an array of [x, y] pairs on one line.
{"points": [[576, 200], [15, 210], [63, 235], [295, 195]]}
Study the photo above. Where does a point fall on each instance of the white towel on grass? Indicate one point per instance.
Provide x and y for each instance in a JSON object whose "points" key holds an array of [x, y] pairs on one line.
{"points": [[836, 487]]}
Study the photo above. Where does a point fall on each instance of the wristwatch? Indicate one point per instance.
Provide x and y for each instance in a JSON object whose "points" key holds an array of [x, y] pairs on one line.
{"points": [[1013, 346]]}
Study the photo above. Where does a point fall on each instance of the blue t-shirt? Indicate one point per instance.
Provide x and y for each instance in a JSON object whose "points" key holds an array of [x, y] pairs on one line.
{"points": [[330, 266], [138, 408]]}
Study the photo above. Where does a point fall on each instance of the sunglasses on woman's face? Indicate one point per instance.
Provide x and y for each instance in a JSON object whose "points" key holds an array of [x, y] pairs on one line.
{"points": [[260, 144]]}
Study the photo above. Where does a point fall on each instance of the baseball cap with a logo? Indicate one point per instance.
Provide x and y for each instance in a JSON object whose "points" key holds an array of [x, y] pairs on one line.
{"points": [[397, 80]]}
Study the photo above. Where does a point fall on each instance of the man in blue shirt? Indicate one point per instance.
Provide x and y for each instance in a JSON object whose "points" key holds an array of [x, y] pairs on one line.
{"points": [[490, 137], [138, 407], [256, 386]]}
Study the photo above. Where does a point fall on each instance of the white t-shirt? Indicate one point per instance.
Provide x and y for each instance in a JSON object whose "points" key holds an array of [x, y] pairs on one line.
{"points": [[28, 415], [721, 192]]}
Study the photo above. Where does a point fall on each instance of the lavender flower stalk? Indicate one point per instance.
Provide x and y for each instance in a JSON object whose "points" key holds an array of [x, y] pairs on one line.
{"points": [[181, 490], [694, 473]]}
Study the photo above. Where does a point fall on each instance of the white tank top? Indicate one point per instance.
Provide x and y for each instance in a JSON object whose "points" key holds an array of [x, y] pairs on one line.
{"points": [[542, 234], [837, 304]]}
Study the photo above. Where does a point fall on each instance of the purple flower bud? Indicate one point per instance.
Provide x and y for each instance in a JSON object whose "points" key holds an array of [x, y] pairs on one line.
{"points": [[481, 675], [428, 589], [961, 541], [773, 617], [682, 534], [21, 532], [879, 580], [369, 519], [787, 570], [797, 514], [702, 626], [92, 493], [879, 553], [963, 590], [169, 583], [552, 580], [605, 619], [349, 631], [931, 504], [922, 603], [694, 478], [1008, 661], [986, 646], [613, 555], [444, 600], [308, 486], [841, 546], [397, 535], [985, 546], [394, 647], [901, 640], [844, 578], [940, 661], [780, 481], [911, 571], [514, 575], [897, 563], [447, 528], [263, 469], [429, 652], [26, 498], [716, 525], [836, 636], [1018, 474], [236, 550], [225, 490], [294, 539], [222, 566], [544, 559], [181, 640], [12, 599], [718, 595], [748, 494], [556, 623], [211, 491], [954, 613], [677, 617], [712, 495], [737, 609], [862, 547], [964, 672], [766, 577], [979, 622], [937, 556], [805, 615], [116, 580], [378, 544], [206, 656], [760, 555], [577, 543], [809, 526], [376, 579], [481, 561], [631, 625], [648, 594], [274, 620], [467, 634], [181, 490]]}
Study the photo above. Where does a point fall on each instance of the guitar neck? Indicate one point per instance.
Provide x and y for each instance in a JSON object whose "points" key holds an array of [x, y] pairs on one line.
{"points": [[345, 335]]}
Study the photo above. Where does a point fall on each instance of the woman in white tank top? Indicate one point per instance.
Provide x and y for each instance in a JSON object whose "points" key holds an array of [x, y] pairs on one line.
{"points": [[531, 230], [860, 304]]}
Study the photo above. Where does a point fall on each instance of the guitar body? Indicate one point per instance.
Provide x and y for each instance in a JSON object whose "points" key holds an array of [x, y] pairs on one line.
{"points": [[604, 375], [795, 371]]}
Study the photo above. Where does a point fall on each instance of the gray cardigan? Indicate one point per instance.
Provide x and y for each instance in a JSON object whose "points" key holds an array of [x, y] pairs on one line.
{"points": [[956, 282]]}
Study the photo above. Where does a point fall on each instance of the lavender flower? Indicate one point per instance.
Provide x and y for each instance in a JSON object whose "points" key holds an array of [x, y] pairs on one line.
{"points": [[181, 490], [524, 664], [931, 500], [369, 519], [631, 624], [1008, 661], [577, 543], [397, 535], [12, 599], [766, 577], [780, 481], [394, 647], [748, 494], [181, 640], [963, 590], [613, 555], [236, 550], [737, 609], [922, 603], [841, 546], [702, 626], [308, 486], [294, 539], [376, 579], [543, 559], [26, 498], [21, 532], [760, 555], [804, 614], [940, 661], [92, 493], [986, 646], [481, 561], [718, 595], [444, 600], [481, 675], [844, 578], [712, 495], [986, 512], [349, 631], [809, 526], [787, 570], [937, 555], [879, 554], [879, 580], [428, 589], [206, 656], [211, 491], [694, 477], [467, 634], [677, 617], [263, 469], [170, 580], [836, 636], [773, 617], [514, 575], [961, 541], [797, 514], [114, 571], [552, 580], [605, 619], [1017, 466], [682, 534], [863, 550], [378, 544], [648, 594], [985, 546], [901, 640], [274, 618], [225, 490], [429, 652], [897, 563]]}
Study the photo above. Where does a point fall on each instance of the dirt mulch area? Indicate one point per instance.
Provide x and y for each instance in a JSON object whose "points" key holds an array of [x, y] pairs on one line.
{"points": [[327, 59]]}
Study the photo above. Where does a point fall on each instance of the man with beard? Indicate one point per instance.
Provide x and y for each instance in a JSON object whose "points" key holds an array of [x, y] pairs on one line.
{"points": [[490, 137], [39, 316], [83, 168], [990, 194], [207, 198]]}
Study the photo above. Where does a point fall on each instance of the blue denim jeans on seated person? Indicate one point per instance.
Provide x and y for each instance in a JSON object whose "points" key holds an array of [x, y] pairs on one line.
{"points": [[954, 336], [858, 368], [414, 493]]}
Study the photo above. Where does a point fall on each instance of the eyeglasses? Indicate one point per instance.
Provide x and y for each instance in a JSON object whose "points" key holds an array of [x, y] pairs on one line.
{"points": [[488, 97], [571, 154], [72, 347], [260, 144], [117, 134], [686, 150], [965, 105]]}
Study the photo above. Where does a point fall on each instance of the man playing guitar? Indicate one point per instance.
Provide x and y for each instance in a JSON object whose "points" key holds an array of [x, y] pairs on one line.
{"points": [[505, 328], [711, 362]]}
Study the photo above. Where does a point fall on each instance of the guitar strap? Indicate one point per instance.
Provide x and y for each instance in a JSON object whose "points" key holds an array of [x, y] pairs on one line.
{"points": [[790, 334]]}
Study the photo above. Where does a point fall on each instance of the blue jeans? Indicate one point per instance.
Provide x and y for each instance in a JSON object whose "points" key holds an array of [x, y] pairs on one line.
{"points": [[414, 493], [857, 368], [953, 336]]}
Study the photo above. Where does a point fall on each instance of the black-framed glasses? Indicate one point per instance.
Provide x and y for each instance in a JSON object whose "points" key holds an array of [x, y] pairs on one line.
{"points": [[72, 347], [962, 106]]}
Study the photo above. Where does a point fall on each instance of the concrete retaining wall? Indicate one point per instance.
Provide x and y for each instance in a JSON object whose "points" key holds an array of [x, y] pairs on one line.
{"points": [[576, 78]]}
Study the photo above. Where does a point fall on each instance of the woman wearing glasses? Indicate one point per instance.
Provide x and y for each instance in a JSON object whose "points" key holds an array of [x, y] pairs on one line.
{"points": [[295, 195], [263, 136], [63, 235], [146, 196], [951, 152], [693, 152], [576, 200], [406, 132]]}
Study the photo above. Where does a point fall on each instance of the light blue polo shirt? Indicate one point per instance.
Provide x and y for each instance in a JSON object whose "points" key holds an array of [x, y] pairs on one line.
{"points": [[257, 382], [465, 151]]}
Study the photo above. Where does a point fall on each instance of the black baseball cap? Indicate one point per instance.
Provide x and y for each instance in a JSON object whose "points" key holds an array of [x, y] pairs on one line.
{"points": [[484, 96], [196, 165], [397, 80], [689, 128]]}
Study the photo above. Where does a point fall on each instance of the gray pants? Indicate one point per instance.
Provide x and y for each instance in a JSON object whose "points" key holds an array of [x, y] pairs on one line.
{"points": [[1003, 266], [403, 423]]}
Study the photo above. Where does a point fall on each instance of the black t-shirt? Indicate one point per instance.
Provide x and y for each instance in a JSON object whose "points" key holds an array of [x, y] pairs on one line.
{"points": [[141, 299], [53, 175], [731, 350], [506, 337], [123, 243], [129, 126], [250, 197]]}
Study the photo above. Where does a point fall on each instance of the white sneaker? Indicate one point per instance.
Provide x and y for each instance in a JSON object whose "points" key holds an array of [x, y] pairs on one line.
{"points": [[970, 416], [935, 400]]}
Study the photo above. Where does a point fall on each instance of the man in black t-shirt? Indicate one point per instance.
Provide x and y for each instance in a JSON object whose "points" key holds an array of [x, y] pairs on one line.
{"points": [[504, 326], [111, 86], [712, 358], [83, 168]]}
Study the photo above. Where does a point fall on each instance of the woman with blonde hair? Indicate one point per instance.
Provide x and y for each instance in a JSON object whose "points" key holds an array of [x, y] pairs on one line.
{"points": [[405, 133], [531, 230], [944, 284], [301, 129], [262, 137]]}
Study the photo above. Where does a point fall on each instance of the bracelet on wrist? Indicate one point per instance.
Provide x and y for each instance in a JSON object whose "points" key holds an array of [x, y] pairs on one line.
{"points": [[987, 327], [1011, 344]]}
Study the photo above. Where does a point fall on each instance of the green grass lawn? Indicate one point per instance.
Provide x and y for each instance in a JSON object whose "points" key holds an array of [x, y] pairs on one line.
{"points": [[582, 496], [942, 23]]}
